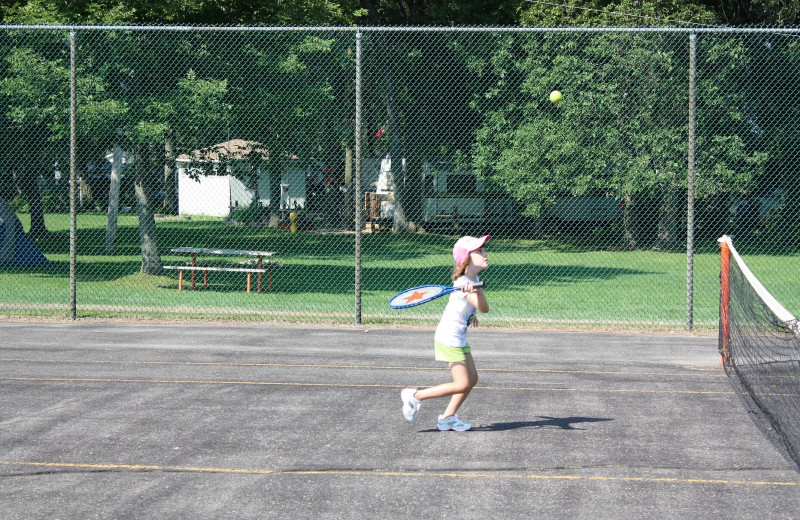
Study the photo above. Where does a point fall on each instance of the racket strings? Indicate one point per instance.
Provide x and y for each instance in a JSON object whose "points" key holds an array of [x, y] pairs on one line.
{"points": [[417, 295]]}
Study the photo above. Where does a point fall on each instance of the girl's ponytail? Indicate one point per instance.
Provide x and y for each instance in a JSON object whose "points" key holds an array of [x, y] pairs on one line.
{"points": [[460, 269]]}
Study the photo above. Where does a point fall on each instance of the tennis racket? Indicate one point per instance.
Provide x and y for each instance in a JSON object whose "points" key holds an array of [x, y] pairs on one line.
{"points": [[422, 294]]}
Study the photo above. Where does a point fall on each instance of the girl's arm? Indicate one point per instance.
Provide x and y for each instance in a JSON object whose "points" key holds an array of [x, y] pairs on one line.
{"points": [[476, 297]]}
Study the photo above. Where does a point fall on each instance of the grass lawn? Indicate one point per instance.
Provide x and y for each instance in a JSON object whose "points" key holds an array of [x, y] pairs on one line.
{"points": [[529, 281]]}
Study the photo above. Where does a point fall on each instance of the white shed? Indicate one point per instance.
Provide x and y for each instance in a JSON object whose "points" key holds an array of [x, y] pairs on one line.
{"points": [[211, 181]]}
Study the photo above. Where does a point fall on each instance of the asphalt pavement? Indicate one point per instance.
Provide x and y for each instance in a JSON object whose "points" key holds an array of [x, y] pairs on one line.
{"points": [[193, 420]]}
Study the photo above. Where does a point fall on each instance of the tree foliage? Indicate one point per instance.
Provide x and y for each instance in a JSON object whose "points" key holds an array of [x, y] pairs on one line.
{"points": [[615, 135], [621, 131]]}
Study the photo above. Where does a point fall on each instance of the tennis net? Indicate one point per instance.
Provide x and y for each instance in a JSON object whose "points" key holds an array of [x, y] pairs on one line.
{"points": [[759, 341]]}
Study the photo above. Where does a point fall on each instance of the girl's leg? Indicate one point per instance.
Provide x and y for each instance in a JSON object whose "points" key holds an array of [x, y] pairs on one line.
{"points": [[472, 379], [465, 376]]}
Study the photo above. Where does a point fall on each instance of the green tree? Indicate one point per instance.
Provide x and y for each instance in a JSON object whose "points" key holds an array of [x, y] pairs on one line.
{"points": [[611, 13], [621, 131], [31, 128], [767, 12], [169, 111], [750, 84], [439, 12], [212, 12], [292, 93], [409, 86], [35, 97], [168, 107]]}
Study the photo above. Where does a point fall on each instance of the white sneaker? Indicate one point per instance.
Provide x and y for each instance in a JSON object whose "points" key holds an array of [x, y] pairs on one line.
{"points": [[452, 423], [410, 403]]}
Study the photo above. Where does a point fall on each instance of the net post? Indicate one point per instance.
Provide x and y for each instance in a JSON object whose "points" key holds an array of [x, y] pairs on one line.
{"points": [[725, 300]]}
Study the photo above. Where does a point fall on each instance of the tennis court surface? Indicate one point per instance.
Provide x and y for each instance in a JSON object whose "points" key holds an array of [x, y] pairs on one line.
{"points": [[122, 420]]}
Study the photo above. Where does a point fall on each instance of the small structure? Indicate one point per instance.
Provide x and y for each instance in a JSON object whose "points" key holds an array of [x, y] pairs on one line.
{"points": [[16, 249], [212, 181], [455, 194]]}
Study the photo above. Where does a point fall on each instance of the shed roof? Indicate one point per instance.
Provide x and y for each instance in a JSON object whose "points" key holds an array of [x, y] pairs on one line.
{"points": [[235, 149]]}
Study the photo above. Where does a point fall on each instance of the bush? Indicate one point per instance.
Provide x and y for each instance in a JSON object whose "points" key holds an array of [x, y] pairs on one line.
{"points": [[252, 214]]}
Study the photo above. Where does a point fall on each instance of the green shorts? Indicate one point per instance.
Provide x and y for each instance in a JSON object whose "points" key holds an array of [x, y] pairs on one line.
{"points": [[450, 354]]}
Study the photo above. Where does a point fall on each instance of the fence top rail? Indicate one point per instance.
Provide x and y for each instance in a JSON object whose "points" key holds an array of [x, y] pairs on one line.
{"points": [[789, 30]]}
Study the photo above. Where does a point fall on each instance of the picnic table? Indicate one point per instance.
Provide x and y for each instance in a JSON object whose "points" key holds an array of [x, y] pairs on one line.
{"points": [[258, 262]]}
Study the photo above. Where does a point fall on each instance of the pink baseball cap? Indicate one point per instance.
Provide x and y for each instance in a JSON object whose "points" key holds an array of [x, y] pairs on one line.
{"points": [[466, 245]]}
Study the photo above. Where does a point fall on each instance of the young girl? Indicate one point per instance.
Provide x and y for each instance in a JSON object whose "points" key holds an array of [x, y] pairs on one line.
{"points": [[450, 341]]}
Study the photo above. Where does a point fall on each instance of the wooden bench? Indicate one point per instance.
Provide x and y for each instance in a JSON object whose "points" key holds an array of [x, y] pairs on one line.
{"points": [[256, 265], [237, 268]]}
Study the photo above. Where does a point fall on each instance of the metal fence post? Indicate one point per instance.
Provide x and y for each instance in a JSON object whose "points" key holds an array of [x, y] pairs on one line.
{"points": [[448, 112], [690, 185], [357, 191], [72, 178]]}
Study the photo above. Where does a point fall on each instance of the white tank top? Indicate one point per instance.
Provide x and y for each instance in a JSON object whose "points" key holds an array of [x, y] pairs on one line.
{"points": [[457, 316]]}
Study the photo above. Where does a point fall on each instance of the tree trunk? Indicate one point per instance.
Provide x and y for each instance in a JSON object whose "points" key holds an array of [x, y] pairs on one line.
{"points": [[666, 234], [170, 191], [629, 222], [151, 261], [29, 185], [401, 195], [412, 172], [10, 230], [403, 187], [274, 173], [401, 222], [85, 192], [113, 200], [348, 211]]}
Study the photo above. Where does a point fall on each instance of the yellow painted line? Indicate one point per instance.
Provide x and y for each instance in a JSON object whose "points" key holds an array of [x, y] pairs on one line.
{"points": [[351, 385], [704, 373], [362, 473], [184, 382]]}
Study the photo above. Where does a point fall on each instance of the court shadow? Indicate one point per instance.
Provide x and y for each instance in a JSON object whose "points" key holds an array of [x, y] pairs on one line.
{"points": [[562, 423]]}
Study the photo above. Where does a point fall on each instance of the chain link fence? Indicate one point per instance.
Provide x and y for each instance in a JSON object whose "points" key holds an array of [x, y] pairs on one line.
{"points": [[308, 174]]}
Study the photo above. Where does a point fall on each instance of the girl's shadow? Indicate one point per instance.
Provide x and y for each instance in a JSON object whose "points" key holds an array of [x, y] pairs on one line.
{"points": [[563, 423]]}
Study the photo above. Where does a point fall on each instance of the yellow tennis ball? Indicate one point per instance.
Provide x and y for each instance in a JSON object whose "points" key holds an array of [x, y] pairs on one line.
{"points": [[555, 96]]}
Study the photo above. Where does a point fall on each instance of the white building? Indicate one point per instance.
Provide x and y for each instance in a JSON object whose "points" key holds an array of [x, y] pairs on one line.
{"points": [[229, 175], [450, 193], [376, 175], [454, 193]]}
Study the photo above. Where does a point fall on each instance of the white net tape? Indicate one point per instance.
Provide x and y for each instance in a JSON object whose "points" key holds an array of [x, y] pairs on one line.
{"points": [[774, 305]]}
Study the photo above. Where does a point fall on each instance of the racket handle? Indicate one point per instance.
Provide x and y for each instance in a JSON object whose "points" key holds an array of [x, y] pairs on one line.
{"points": [[478, 285]]}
